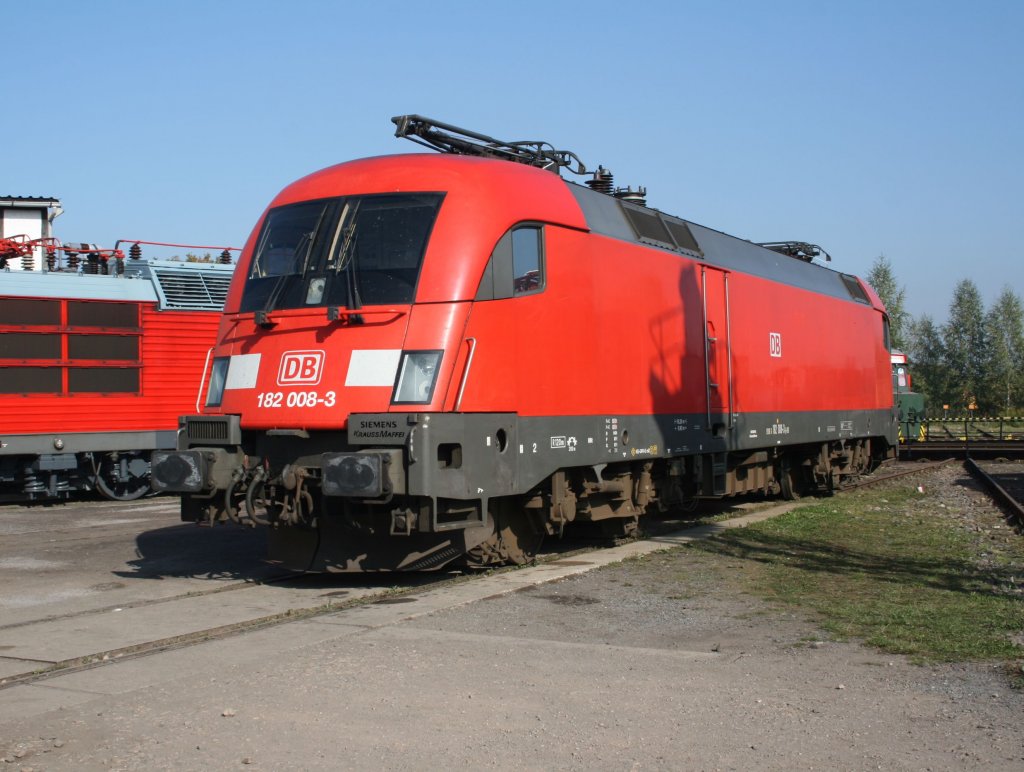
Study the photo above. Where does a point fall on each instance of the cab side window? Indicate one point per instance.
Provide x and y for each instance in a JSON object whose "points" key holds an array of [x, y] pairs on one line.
{"points": [[527, 264], [516, 266]]}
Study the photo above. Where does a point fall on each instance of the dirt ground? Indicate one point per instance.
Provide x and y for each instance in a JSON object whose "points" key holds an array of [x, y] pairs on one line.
{"points": [[657, 663]]}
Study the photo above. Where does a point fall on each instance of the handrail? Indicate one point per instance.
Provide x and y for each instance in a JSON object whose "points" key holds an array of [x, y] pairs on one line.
{"points": [[206, 364], [707, 343], [301, 313], [728, 348], [465, 373], [172, 244]]}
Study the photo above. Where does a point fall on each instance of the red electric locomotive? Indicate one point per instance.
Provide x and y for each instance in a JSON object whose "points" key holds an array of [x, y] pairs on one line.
{"points": [[96, 368], [426, 358]]}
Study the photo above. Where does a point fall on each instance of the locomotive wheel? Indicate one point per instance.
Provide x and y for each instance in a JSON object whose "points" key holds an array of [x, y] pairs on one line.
{"points": [[113, 486], [621, 529], [789, 481], [514, 541]]}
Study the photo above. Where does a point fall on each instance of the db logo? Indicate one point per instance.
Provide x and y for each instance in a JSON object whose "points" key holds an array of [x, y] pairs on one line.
{"points": [[775, 344], [303, 367]]}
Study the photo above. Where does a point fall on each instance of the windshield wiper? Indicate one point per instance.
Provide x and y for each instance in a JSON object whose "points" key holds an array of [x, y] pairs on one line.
{"points": [[349, 263]]}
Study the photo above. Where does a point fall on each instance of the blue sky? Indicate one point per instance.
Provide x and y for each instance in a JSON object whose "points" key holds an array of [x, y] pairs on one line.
{"points": [[869, 128]]}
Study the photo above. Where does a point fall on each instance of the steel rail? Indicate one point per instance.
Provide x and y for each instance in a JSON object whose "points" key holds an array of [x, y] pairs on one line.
{"points": [[999, 493], [963, 448], [884, 474]]}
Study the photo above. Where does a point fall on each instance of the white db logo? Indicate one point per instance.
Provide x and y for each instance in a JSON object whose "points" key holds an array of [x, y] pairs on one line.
{"points": [[775, 344], [303, 367]]}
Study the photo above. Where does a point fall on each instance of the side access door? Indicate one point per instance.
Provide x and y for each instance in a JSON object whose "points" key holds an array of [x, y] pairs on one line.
{"points": [[717, 350]]}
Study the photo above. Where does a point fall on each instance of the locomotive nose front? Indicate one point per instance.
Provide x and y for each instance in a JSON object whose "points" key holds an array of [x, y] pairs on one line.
{"points": [[323, 318], [325, 327]]}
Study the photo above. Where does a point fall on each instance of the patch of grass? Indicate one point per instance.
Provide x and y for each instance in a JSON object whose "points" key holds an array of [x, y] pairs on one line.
{"points": [[881, 567]]}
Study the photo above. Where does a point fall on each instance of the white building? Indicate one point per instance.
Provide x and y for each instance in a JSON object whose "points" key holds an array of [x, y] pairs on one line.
{"points": [[28, 216]]}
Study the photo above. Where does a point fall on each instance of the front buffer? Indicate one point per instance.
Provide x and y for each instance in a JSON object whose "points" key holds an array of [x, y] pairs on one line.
{"points": [[395, 492]]}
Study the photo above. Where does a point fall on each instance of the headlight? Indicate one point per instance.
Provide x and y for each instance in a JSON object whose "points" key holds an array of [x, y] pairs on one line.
{"points": [[417, 375], [218, 376]]}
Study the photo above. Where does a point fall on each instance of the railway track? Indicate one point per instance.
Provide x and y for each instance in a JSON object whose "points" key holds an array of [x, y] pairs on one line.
{"points": [[958, 447], [982, 438], [34, 648], [78, 623], [896, 470], [1005, 482]]}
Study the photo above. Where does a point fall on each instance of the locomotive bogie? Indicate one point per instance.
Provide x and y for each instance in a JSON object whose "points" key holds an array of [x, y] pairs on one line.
{"points": [[117, 474]]}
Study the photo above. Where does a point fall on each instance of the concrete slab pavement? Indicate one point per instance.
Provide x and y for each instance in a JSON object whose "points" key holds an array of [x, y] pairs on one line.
{"points": [[62, 640]]}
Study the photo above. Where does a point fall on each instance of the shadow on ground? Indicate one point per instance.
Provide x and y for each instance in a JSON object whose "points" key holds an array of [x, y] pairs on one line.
{"points": [[223, 552], [230, 551], [822, 557]]}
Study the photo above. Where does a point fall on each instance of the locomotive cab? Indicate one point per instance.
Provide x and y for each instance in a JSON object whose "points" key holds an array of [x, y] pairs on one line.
{"points": [[343, 367]]}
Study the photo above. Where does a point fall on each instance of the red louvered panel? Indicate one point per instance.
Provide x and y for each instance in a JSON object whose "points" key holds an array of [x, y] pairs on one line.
{"points": [[173, 352]]}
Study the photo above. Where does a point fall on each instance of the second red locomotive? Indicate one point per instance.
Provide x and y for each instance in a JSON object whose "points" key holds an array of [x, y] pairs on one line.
{"points": [[428, 358], [96, 366]]}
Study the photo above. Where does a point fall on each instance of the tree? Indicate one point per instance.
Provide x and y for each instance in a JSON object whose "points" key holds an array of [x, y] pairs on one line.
{"points": [[1004, 330], [965, 345], [928, 362], [883, 280]]}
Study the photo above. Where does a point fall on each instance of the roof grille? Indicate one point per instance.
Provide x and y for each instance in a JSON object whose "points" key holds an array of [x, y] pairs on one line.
{"points": [[197, 289]]}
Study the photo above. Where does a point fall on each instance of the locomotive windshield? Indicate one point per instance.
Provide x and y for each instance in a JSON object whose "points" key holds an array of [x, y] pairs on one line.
{"points": [[351, 251]]}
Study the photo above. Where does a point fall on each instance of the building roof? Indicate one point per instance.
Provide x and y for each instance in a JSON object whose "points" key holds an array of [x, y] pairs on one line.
{"points": [[29, 201]]}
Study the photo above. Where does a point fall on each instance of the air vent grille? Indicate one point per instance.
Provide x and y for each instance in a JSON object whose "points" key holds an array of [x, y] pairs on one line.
{"points": [[192, 288], [207, 429]]}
